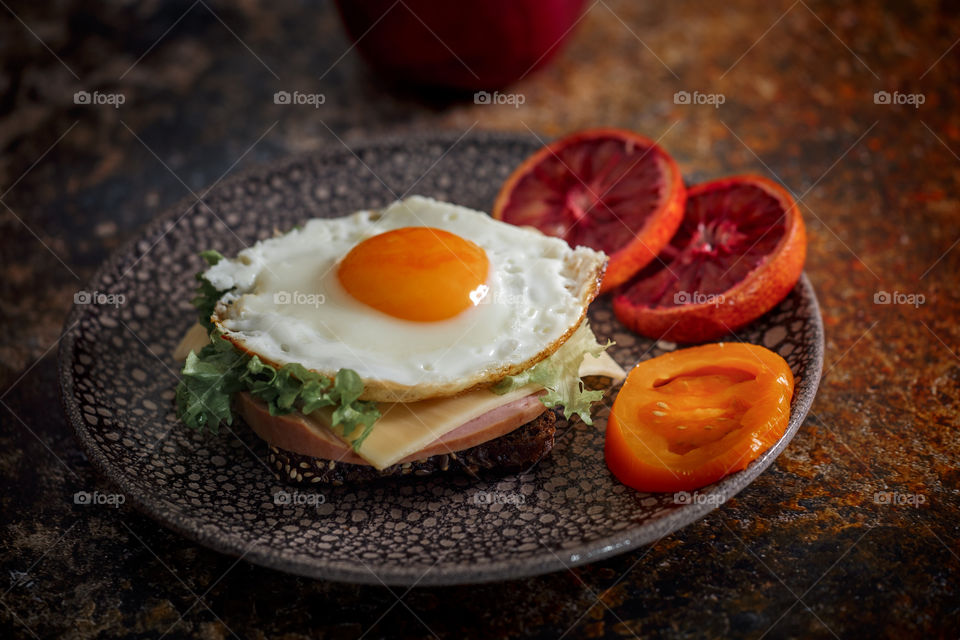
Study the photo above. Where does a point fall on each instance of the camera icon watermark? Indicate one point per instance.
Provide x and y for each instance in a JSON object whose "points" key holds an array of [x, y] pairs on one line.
{"points": [[100, 298], [912, 99], [685, 97], [485, 97], [696, 297], [297, 498], [298, 298], [886, 297], [96, 98], [99, 499], [298, 98]]}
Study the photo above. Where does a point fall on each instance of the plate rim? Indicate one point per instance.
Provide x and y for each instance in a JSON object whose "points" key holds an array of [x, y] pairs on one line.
{"points": [[615, 543]]}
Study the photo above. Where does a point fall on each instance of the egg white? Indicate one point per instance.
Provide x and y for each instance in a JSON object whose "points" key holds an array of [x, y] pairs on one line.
{"points": [[286, 303]]}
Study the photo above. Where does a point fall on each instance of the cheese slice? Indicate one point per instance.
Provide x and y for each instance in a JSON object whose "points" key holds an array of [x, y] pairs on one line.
{"points": [[404, 429], [603, 365], [194, 339], [407, 428]]}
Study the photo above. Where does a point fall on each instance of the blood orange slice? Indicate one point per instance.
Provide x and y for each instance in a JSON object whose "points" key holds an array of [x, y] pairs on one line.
{"points": [[738, 252], [608, 189]]}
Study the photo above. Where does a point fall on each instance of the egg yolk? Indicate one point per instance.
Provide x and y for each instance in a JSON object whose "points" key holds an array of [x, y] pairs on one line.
{"points": [[416, 273]]}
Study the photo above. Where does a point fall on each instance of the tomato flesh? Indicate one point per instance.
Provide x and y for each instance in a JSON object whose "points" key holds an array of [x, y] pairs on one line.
{"points": [[688, 418]]}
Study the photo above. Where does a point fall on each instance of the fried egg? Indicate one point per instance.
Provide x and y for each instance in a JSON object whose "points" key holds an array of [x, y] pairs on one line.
{"points": [[423, 299]]}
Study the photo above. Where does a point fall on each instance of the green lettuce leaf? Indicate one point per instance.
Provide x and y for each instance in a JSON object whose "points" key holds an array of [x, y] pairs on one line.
{"points": [[205, 390], [212, 376], [560, 375]]}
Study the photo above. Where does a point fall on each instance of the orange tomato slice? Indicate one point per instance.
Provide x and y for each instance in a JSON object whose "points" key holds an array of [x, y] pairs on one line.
{"points": [[688, 418]]}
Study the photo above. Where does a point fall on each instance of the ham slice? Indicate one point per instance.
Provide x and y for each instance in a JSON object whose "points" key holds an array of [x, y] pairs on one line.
{"points": [[308, 436]]}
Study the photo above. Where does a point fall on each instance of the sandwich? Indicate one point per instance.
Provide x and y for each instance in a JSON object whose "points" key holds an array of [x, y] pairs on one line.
{"points": [[418, 339]]}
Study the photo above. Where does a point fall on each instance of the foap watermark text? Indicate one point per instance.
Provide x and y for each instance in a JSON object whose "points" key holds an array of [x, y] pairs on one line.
{"points": [[299, 98], [498, 497], [299, 298], [96, 98], [484, 295], [686, 97], [896, 297], [898, 499], [696, 297], [686, 497], [485, 97], [99, 297], [912, 99], [99, 499], [297, 498]]}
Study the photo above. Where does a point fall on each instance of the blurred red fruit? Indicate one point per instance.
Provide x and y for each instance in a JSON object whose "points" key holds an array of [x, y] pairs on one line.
{"points": [[462, 44]]}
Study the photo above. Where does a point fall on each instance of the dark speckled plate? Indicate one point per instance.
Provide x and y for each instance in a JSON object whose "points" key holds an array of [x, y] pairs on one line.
{"points": [[117, 378]]}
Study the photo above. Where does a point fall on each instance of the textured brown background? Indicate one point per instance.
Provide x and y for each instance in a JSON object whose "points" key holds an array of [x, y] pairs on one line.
{"points": [[806, 551]]}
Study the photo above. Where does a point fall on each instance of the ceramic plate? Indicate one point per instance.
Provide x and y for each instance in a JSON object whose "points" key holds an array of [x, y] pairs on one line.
{"points": [[117, 379]]}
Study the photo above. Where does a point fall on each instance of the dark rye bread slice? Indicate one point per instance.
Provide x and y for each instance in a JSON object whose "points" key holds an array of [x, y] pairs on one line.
{"points": [[511, 453]]}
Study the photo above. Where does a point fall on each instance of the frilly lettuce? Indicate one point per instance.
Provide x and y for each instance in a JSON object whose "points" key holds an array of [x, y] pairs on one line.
{"points": [[559, 374]]}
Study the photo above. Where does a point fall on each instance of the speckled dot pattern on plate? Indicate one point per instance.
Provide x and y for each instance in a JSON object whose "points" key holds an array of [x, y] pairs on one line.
{"points": [[118, 376]]}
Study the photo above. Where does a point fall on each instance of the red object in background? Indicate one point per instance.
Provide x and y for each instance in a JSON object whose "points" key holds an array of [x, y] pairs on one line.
{"points": [[459, 44]]}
